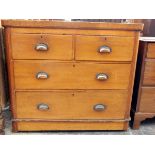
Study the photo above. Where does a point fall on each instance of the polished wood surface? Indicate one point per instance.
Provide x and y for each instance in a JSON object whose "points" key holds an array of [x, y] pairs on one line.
{"points": [[43, 126], [72, 25], [71, 81], [87, 48], [70, 75], [151, 50], [149, 73], [147, 101], [71, 104], [59, 46], [143, 97]]}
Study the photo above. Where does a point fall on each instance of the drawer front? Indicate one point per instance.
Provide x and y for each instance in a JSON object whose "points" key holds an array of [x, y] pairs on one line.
{"points": [[149, 73], [151, 50], [104, 48], [147, 101], [88, 104], [41, 46], [68, 75]]}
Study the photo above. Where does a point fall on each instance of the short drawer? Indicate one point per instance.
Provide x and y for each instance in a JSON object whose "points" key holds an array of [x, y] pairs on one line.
{"points": [[71, 104], [147, 101], [41, 46], [149, 73], [67, 75], [151, 50], [104, 48]]}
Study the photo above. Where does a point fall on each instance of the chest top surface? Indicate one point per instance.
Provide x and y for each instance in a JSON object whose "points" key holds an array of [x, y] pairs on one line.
{"points": [[72, 25]]}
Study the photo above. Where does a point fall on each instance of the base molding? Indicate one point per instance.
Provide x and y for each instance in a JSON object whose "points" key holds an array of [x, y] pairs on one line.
{"points": [[138, 117], [68, 126]]}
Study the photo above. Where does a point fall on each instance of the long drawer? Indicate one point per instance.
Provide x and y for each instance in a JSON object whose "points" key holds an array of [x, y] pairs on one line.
{"points": [[147, 101], [42, 46], [149, 73], [70, 75], [151, 50], [86, 104], [104, 48]]}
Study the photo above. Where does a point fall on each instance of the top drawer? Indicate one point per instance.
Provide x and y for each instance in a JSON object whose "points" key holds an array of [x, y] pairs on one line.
{"points": [[104, 48], [151, 50], [41, 46]]}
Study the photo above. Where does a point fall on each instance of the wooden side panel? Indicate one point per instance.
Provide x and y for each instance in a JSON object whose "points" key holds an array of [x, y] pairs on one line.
{"points": [[2, 72], [70, 75]]}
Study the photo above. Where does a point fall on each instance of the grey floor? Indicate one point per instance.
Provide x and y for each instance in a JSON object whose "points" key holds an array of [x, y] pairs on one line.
{"points": [[147, 128]]}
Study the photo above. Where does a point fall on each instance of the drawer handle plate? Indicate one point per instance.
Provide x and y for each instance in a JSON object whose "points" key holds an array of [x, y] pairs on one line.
{"points": [[99, 107], [105, 49], [42, 75], [102, 76], [41, 47], [42, 107]]}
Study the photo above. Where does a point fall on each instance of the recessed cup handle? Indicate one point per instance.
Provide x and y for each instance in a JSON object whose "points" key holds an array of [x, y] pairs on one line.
{"points": [[102, 76], [99, 107], [105, 49], [42, 107], [41, 47], [42, 75]]}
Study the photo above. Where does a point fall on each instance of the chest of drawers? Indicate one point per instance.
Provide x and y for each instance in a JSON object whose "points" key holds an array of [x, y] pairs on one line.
{"points": [[144, 91], [70, 75]]}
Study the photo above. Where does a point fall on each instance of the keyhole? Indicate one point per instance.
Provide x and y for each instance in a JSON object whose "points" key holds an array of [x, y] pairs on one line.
{"points": [[73, 65]]}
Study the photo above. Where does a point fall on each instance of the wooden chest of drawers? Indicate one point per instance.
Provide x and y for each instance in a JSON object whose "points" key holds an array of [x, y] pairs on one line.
{"points": [[144, 92], [70, 75]]}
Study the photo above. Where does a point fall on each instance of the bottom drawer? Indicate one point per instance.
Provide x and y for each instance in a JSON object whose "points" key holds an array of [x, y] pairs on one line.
{"points": [[86, 104], [43, 126], [147, 101]]}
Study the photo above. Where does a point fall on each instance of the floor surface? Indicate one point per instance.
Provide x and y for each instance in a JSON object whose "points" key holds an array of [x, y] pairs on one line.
{"points": [[147, 128]]}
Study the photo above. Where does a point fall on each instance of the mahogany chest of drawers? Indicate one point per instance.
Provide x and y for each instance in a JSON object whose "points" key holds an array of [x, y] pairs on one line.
{"points": [[70, 75], [144, 91]]}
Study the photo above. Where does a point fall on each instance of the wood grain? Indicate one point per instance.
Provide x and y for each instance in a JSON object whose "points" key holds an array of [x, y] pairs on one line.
{"points": [[151, 50], [143, 98], [87, 48], [59, 46], [70, 75], [149, 73], [43, 126], [72, 79], [72, 25], [71, 104], [147, 101]]}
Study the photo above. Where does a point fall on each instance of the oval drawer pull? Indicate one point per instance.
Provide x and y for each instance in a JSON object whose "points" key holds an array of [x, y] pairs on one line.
{"points": [[105, 49], [102, 76], [41, 47], [42, 75], [43, 107], [99, 107]]}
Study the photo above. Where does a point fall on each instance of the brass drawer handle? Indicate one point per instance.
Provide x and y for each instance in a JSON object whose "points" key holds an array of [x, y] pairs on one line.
{"points": [[42, 75], [105, 49], [41, 47], [99, 107], [42, 107], [102, 76]]}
